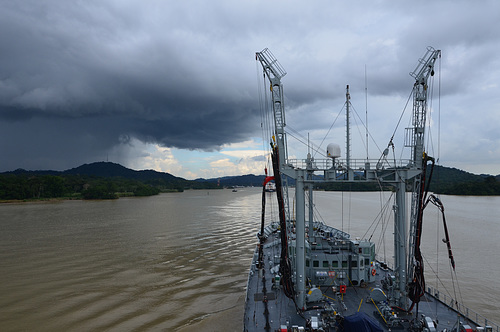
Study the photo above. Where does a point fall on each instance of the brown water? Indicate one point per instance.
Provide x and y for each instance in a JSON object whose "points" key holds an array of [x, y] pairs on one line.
{"points": [[178, 261], [156, 263]]}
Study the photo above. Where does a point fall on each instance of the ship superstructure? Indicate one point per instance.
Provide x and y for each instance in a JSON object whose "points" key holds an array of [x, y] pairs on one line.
{"points": [[309, 276]]}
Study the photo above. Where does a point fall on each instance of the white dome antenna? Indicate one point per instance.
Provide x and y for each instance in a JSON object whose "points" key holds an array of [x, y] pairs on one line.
{"points": [[333, 151]]}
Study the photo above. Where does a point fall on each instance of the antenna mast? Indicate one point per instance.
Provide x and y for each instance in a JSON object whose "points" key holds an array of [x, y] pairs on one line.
{"points": [[366, 113], [348, 132]]}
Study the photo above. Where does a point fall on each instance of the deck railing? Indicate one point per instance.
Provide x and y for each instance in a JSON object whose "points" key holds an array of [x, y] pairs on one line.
{"points": [[355, 164], [462, 309], [466, 312]]}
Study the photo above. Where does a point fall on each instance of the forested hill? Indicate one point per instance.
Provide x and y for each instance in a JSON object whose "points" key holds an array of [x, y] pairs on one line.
{"points": [[106, 170], [110, 170], [100, 180], [452, 181]]}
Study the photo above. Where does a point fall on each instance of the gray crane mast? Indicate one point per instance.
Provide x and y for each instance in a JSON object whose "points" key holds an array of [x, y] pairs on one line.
{"points": [[415, 138], [274, 72]]}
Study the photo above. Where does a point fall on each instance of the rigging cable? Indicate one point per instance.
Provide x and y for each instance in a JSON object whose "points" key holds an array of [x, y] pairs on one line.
{"points": [[302, 139], [401, 117], [439, 154], [368, 134], [429, 132], [437, 202], [328, 132], [264, 116], [366, 112]]}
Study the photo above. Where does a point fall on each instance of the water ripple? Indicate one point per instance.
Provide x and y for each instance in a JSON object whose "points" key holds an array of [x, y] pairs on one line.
{"points": [[158, 263]]}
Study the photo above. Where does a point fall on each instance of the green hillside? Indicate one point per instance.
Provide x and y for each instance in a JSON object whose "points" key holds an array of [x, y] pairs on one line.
{"points": [[452, 181], [101, 180]]}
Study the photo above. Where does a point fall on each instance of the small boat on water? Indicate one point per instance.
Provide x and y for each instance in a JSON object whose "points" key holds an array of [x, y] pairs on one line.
{"points": [[270, 187], [309, 276]]}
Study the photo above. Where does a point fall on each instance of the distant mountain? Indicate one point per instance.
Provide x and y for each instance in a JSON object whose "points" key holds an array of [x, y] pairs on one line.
{"points": [[109, 169], [452, 181], [450, 174], [445, 176], [105, 170], [249, 180]]}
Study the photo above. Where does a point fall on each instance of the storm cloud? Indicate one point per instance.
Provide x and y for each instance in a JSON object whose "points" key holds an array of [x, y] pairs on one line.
{"points": [[79, 79], [77, 76]]}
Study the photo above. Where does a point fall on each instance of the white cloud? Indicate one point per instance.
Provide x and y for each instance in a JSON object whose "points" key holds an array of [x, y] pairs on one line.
{"points": [[229, 161]]}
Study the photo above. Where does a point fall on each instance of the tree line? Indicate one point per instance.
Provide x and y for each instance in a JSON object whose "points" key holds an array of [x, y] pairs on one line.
{"points": [[486, 186], [490, 186], [35, 186]]}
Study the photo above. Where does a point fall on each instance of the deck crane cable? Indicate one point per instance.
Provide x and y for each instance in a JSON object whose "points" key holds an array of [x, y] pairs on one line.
{"points": [[269, 120], [377, 220], [385, 218], [437, 202], [262, 109], [444, 287], [328, 132], [439, 281], [378, 217], [366, 129], [300, 138], [430, 142], [264, 115], [335, 120], [358, 127], [401, 116], [391, 140], [315, 147]]}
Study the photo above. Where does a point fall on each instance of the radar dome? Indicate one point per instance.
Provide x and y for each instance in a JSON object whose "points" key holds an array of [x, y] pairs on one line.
{"points": [[333, 150]]}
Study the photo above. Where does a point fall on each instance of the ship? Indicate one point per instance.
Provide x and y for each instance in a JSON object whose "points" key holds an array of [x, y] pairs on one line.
{"points": [[308, 276]]}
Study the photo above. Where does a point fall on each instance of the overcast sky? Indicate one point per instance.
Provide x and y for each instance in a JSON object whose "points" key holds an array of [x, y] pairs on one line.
{"points": [[173, 85]]}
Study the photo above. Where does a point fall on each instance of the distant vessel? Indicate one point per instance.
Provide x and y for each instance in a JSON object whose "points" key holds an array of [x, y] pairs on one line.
{"points": [[308, 276], [270, 187]]}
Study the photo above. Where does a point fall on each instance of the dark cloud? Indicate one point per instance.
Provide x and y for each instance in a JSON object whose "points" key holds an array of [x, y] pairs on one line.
{"points": [[79, 79], [92, 72]]}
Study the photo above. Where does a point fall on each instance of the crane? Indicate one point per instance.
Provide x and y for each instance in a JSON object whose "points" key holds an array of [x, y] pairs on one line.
{"points": [[421, 74]]}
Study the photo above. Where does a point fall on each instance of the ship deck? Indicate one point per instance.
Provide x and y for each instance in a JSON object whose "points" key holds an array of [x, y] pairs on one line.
{"points": [[268, 309]]}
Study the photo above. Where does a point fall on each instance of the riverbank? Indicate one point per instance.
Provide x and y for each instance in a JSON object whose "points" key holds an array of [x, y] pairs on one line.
{"points": [[77, 197]]}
